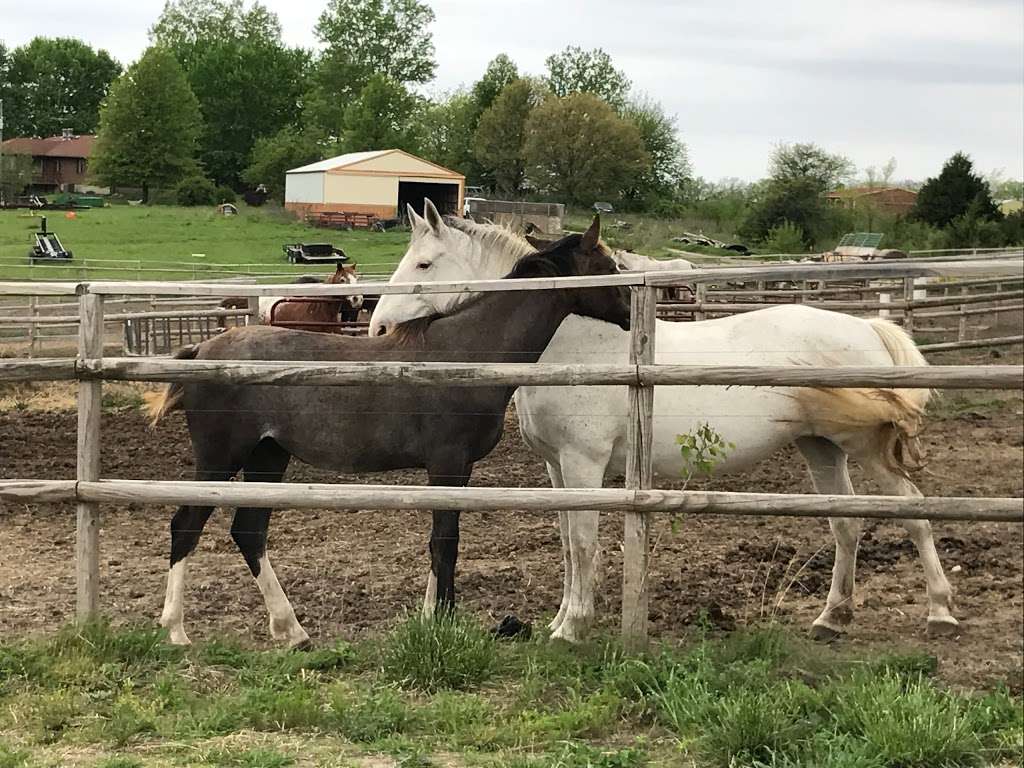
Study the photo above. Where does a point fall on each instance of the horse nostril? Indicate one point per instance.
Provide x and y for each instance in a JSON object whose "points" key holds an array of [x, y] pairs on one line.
{"points": [[382, 331]]}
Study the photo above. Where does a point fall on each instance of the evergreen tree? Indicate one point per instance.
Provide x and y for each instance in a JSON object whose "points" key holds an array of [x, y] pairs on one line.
{"points": [[952, 193]]}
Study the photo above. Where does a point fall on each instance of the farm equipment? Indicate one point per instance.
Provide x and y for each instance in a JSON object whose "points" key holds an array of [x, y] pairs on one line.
{"points": [[314, 253], [47, 246]]}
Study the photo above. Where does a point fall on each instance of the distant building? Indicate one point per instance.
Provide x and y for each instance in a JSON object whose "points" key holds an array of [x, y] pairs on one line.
{"points": [[379, 183], [59, 163], [895, 200]]}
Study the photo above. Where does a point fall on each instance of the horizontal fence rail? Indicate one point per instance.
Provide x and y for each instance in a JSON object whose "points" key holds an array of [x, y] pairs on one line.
{"points": [[342, 496], [312, 373]]}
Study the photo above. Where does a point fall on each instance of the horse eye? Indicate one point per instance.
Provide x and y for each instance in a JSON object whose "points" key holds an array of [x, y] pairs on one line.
{"points": [[423, 265]]}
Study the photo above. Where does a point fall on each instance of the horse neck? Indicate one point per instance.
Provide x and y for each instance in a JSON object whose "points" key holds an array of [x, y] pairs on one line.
{"points": [[513, 326]]}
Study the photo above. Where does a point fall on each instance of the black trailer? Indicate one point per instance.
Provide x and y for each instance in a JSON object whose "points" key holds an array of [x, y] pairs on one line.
{"points": [[314, 253], [47, 246]]}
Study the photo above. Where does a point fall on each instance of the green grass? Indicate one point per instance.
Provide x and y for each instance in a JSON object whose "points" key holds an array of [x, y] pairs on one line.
{"points": [[131, 242], [754, 698]]}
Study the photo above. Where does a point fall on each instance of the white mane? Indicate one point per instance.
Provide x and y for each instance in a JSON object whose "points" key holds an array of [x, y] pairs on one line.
{"points": [[496, 242]]}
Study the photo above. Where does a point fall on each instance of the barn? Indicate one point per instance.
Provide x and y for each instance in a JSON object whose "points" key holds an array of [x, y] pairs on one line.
{"points": [[380, 183]]}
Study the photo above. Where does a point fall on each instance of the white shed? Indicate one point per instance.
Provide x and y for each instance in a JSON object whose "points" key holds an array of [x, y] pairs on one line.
{"points": [[380, 182]]}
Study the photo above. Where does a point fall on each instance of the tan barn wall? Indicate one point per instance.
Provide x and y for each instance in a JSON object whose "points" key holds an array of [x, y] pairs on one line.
{"points": [[396, 162], [346, 190]]}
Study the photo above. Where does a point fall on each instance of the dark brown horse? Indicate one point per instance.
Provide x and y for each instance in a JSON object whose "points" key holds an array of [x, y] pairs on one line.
{"points": [[366, 428]]}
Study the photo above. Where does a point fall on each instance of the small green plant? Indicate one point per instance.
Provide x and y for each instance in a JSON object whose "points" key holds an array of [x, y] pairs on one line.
{"points": [[784, 238], [702, 450], [11, 757], [119, 761], [449, 651], [370, 717], [250, 758]]}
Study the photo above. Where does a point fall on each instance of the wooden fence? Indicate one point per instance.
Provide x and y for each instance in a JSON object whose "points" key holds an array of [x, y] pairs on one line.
{"points": [[638, 500]]}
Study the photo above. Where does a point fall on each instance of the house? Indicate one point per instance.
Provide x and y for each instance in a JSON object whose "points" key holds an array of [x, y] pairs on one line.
{"points": [[894, 200], [379, 183], [59, 163]]}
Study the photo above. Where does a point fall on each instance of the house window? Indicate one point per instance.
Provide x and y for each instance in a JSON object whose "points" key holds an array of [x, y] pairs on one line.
{"points": [[80, 166]]}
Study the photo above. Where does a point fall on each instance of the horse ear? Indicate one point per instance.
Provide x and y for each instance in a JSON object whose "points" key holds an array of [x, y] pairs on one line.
{"points": [[433, 217], [593, 235], [537, 242], [415, 220]]}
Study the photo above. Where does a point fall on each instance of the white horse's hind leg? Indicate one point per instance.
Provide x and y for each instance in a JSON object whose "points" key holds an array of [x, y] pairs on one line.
{"points": [[940, 595], [581, 472], [827, 464], [555, 473]]}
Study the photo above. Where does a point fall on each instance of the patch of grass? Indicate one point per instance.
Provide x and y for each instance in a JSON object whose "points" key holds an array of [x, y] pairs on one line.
{"points": [[120, 761], [574, 754], [249, 758], [369, 716], [11, 757], [450, 651]]}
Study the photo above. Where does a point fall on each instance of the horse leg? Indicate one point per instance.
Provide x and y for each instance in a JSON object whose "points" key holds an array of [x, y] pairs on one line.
{"points": [[444, 540], [580, 471], [827, 464], [249, 530], [555, 473], [941, 621]]}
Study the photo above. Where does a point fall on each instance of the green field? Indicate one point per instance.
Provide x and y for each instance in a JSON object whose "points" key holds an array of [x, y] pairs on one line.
{"points": [[446, 695], [171, 243]]}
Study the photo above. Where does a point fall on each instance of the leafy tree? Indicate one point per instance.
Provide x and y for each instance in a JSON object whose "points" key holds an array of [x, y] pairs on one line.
{"points": [[446, 131], [149, 126], [55, 83], [498, 143], [952, 193], [576, 70], [15, 175], [500, 72], [273, 156], [248, 83], [383, 117], [668, 162], [578, 148], [811, 163], [796, 202], [385, 37]]}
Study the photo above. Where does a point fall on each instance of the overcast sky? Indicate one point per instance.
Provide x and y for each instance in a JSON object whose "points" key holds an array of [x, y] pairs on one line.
{"points": [[913, 79]]}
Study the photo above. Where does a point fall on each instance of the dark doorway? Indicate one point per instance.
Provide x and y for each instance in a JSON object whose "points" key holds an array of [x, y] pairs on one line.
{"points": [[445, 197]]}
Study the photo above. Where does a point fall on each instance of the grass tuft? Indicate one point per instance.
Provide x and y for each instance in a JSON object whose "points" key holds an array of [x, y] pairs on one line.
{"points": [[448, 652]]}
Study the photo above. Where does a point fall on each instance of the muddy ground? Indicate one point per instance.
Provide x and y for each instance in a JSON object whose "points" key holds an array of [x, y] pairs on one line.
{"points": [[353, 573]]}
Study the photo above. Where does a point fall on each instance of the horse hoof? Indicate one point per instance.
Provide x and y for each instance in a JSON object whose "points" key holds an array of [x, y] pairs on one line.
{"points": [[824, 634], [943, 628]]}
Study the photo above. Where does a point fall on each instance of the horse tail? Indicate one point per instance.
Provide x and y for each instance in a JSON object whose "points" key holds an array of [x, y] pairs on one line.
{"points": [[158, 404], [897, 412]]}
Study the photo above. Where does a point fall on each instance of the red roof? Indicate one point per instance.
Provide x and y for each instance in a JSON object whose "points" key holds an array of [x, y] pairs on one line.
{"points": [[55, 146]]}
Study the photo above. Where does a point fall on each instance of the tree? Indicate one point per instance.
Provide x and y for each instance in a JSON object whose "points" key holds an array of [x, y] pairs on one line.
{"points": [[15, 175], [273, 156], [952, 193], [385, 37], [498, 143], [577, 147], [500, 72], [796, 202], [668, 163], [576, 70], [55, 83], [149, 126], [446, 132], [809, 162], [881, 176], [383, 117], [248, 83]]}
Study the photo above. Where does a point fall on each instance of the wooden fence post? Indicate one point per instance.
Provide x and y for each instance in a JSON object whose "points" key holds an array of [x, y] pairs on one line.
{"points": [[701, 297], [639, 471], [33, 329], [253, 308], [90, 395], [961, 333], [908, 312]]}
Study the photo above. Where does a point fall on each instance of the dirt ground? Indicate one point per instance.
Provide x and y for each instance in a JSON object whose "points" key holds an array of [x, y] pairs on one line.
{"points": [[353, 573]]}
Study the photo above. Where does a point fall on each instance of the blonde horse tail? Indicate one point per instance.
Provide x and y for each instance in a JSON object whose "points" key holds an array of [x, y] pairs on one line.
{"points": [[898, 413], [159, 404]]}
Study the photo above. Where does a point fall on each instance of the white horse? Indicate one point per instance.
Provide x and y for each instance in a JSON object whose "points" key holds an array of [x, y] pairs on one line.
{"points": [[629, 261], [581, 431]]}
